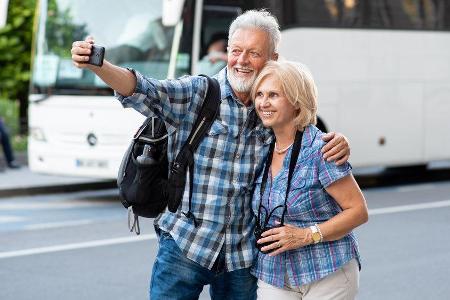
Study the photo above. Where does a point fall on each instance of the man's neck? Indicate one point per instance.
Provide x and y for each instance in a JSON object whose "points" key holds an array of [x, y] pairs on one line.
{"points": [[244, 98]]}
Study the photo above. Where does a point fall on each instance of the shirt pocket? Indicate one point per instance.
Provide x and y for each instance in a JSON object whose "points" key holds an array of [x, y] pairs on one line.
{"points": [[213, 145], [299, 206]]}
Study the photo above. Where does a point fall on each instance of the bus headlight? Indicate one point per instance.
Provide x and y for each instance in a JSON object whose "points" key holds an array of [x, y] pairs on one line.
{"points": [[37, 134]]}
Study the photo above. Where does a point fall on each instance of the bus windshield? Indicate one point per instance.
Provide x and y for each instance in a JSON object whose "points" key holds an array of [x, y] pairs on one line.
{"points": [[131, 32]]}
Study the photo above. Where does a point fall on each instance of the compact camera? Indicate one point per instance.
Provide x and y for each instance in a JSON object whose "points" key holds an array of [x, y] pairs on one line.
{"points": [[97, 55], [258, 232]]}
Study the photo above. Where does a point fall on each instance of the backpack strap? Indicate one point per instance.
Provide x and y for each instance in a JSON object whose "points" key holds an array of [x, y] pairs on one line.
{"points": [[208, 113], [185, 158]]}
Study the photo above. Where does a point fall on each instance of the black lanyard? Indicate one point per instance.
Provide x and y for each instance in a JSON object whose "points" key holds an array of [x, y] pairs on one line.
{"points": [[293, 161]]}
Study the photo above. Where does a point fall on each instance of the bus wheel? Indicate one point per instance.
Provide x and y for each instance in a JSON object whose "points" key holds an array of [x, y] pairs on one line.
{"points": [[413, 169]]}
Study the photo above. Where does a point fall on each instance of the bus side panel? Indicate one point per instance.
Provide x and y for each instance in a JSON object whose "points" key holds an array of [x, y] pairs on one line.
{"points": [[437, 120], [437, 95], [382, 115], [80, 141]]}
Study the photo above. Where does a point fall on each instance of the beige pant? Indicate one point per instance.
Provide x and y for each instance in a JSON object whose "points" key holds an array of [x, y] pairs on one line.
{"points": [[340, 285]]}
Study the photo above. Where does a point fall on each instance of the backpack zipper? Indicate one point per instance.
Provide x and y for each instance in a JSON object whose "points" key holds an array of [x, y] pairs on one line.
{"points": [[196, 130]]}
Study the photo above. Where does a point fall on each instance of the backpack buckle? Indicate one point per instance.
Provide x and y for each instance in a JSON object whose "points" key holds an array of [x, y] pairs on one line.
{"points": [[133, 221]]}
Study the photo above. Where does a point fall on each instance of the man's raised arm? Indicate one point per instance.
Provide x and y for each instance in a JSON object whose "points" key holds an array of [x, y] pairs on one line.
{"points": [[119, 79]]}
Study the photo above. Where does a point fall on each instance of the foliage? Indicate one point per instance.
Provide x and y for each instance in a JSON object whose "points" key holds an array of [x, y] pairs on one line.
{"points": [[9, 110], [15, 49], [16, 43], [9, 113]]}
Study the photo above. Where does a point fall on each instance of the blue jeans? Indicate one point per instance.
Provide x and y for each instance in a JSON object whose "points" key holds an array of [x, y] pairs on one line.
{"points": [[176, 277]]}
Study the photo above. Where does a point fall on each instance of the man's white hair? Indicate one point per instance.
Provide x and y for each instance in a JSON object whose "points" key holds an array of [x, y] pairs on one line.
{"points": [[260, 19]]}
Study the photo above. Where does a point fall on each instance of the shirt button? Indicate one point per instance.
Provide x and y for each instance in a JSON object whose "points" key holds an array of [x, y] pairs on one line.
{"points": [[235, 180], [238, 155]]}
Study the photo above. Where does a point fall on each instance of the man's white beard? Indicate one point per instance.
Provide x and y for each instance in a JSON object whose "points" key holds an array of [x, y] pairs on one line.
{"points": [[240, 85]]}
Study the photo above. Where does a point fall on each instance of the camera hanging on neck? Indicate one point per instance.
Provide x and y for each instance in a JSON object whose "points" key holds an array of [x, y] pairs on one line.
{"points": [[260, 228]]}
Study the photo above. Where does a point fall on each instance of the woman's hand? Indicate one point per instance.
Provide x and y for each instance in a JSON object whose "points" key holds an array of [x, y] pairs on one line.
{"points": [[287, 237]]}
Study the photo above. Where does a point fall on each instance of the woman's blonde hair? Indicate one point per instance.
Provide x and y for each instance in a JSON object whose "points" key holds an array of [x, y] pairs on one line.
{"points": [[298, 86]]}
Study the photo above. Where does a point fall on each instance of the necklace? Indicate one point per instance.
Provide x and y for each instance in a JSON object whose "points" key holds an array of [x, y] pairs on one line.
{"points": [[281, 151]]}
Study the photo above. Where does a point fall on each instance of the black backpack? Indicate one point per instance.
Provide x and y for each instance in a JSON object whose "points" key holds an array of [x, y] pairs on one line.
{"points": [[145, 184]]}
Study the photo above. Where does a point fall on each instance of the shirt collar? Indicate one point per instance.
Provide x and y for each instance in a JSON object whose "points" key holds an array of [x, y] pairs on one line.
{"points": [[309, 135]]}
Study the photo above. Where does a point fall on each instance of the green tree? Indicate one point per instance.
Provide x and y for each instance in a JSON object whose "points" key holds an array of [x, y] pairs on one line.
{"points": [[15, 54]]}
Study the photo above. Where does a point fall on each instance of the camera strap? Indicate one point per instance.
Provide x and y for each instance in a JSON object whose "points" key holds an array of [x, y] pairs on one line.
{"points": [[294, 156], [293, 161]]}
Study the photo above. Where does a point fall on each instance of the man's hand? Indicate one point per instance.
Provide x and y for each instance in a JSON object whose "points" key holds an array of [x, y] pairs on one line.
{"points": [[81, 51], [337, 148], [119, 79]]}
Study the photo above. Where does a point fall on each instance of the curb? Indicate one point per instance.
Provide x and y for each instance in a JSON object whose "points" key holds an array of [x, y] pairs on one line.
{"points": [[56, 189], [402, 176]]}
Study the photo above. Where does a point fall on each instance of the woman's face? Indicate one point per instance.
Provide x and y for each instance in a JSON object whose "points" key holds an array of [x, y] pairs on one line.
{"points": [[272, 106]]}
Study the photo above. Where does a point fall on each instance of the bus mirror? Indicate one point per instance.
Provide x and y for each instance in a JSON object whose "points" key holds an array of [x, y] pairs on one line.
{"points": [[3, 12], [171, 12]]}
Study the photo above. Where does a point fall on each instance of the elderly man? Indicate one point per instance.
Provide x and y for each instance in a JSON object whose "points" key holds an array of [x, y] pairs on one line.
{"points": [[218, 248]]}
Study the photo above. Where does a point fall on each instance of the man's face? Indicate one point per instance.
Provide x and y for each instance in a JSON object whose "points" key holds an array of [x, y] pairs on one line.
{"points": [[248, 51]]}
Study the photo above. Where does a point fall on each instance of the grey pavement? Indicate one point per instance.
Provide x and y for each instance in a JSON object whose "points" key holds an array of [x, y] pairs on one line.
{"points": [[77, 246], [16, 182]]}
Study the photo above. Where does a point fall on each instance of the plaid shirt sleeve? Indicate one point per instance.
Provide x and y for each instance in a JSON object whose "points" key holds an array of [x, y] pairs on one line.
{"points": [[329, 172], [169, 99]]}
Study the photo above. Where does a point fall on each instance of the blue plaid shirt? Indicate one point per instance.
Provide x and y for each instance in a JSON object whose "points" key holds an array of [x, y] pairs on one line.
{"points": [[227, 162], [308, 203]]}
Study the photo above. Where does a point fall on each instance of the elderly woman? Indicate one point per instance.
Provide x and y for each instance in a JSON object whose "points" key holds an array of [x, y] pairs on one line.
{"points": [[305, 207]]}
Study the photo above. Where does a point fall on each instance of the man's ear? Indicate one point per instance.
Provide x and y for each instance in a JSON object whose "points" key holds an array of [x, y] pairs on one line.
{"points": [[275, 56]]}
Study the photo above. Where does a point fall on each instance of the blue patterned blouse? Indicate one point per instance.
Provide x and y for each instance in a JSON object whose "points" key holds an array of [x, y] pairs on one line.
{"points": [[308, 203]]}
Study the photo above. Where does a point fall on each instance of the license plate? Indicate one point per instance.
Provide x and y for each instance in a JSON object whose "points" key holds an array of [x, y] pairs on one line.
{"points": [[91, 163]]}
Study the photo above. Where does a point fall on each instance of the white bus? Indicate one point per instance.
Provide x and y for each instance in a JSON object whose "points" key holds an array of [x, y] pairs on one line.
{"points": [[382, 70]]}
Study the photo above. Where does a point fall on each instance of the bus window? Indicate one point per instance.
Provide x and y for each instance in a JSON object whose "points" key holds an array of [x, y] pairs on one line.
{"points": [[132, 39], [184, 52], [425, 14], [214, 35], [382, 14]]}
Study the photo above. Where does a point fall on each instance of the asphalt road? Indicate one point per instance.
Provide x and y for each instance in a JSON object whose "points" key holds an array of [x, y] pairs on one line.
{"points": [[77, 246]]}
